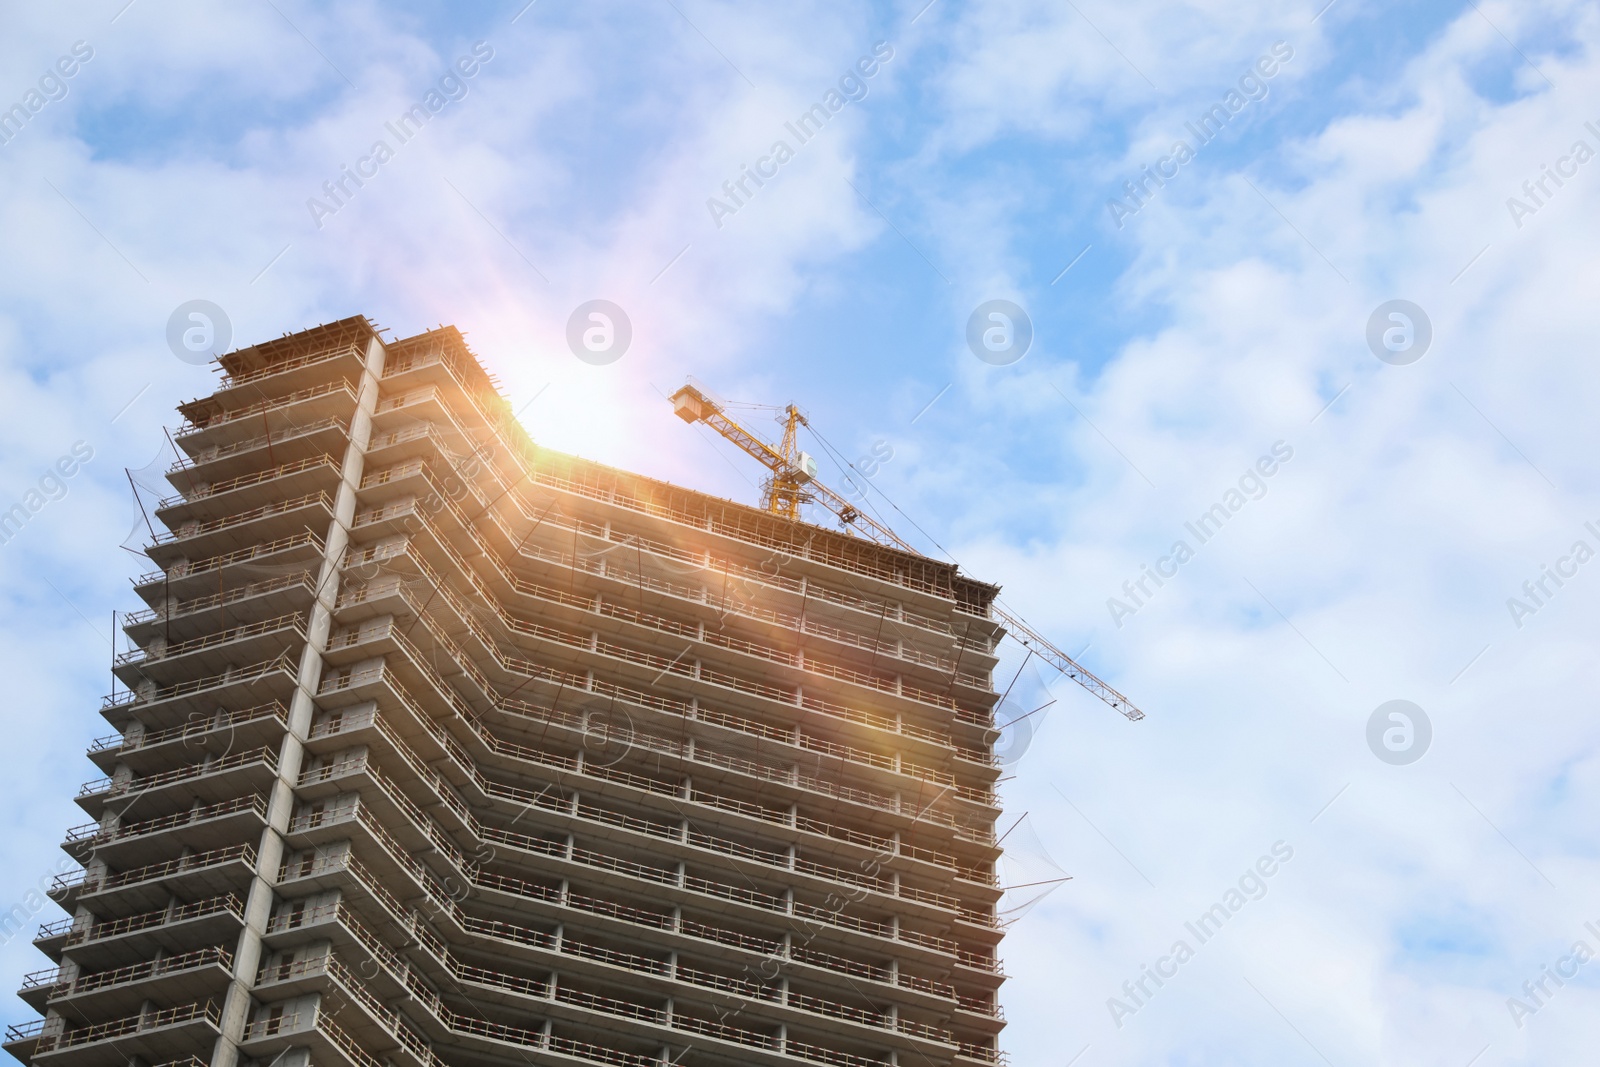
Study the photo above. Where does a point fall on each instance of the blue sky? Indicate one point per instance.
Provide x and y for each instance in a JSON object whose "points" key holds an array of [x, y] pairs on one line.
{"points": [[1225, 317]]}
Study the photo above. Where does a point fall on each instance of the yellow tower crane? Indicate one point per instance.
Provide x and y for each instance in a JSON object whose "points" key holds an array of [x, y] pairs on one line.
{"points": [[792, 481]]}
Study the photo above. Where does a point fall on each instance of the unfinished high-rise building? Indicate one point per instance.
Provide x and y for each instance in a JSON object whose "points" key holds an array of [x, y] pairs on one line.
{"points": [[442, 748]]}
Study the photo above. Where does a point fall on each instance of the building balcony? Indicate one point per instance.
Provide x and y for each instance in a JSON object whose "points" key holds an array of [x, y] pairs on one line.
{"points": [[424, 402], [205, 783], [431, 366], [703, 989], [267, 1037], [798, 665], [419, 439], [972, 1052], [708, 755], [385, 971], [211, 653], [197, 975], [380, 801], [373, 1024], [154, 750], [689, 753], [330, 1044], [624, 831], [344, 362], [137, 938], [330, 435], [700, 600], [239, 529], [249, 490], [158, 1036], [214, 425], [199, 875], [203, 828], [700, 760], [377, 851], [398, 516], [362, 890], [262, 599], [162, 707], [290, 554]]}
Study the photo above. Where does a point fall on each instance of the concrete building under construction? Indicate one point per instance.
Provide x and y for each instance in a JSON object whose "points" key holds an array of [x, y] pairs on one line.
{"points": [[442, 748]]}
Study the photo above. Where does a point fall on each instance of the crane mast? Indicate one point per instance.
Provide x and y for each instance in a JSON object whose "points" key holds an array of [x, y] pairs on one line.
{"points": [[792, 480]]}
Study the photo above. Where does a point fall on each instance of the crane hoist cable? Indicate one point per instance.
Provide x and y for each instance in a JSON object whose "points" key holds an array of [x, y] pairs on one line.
{"points": [[838, 457]]}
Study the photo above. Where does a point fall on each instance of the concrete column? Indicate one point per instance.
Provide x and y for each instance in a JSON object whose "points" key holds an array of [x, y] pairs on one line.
{"points": [[280, 806]]}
